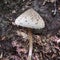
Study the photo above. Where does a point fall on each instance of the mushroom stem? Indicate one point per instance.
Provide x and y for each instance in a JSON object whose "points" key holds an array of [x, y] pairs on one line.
{"points": [[30, 44]]}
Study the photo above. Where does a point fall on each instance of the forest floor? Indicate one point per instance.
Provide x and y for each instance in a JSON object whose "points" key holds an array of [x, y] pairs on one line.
{"points": [[14, 43]]}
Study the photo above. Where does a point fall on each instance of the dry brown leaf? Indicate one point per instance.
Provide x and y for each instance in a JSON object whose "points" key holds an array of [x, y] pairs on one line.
{"points": [[20, 33]]}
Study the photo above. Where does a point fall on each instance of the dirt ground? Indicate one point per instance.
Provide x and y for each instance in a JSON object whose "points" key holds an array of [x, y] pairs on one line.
{"points": [[14, 43]]}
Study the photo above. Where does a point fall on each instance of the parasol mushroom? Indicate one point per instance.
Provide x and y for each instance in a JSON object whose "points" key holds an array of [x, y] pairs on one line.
{"points": [[31, 20]]}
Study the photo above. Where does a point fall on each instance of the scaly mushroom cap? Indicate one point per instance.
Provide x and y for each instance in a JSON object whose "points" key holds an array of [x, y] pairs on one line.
{"points": [[30, 19]]}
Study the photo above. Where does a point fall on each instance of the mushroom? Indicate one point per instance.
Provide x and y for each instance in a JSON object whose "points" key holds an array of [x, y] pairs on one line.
{"points": [[31, 20]]}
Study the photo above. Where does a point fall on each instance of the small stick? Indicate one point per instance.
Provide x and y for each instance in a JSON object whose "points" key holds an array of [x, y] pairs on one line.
{"points": [[45, 2], [55, 8], [30, 44], [1, 55]]}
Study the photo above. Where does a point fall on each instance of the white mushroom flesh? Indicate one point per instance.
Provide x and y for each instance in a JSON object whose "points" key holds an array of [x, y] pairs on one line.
{"points": [[30, 19]]}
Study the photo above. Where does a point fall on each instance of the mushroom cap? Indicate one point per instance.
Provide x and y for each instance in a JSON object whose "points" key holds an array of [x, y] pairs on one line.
{"points": [[30, 19]]}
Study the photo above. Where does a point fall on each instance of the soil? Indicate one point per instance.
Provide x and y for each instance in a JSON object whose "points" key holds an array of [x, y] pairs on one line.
{"points": [[14, 43]]}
